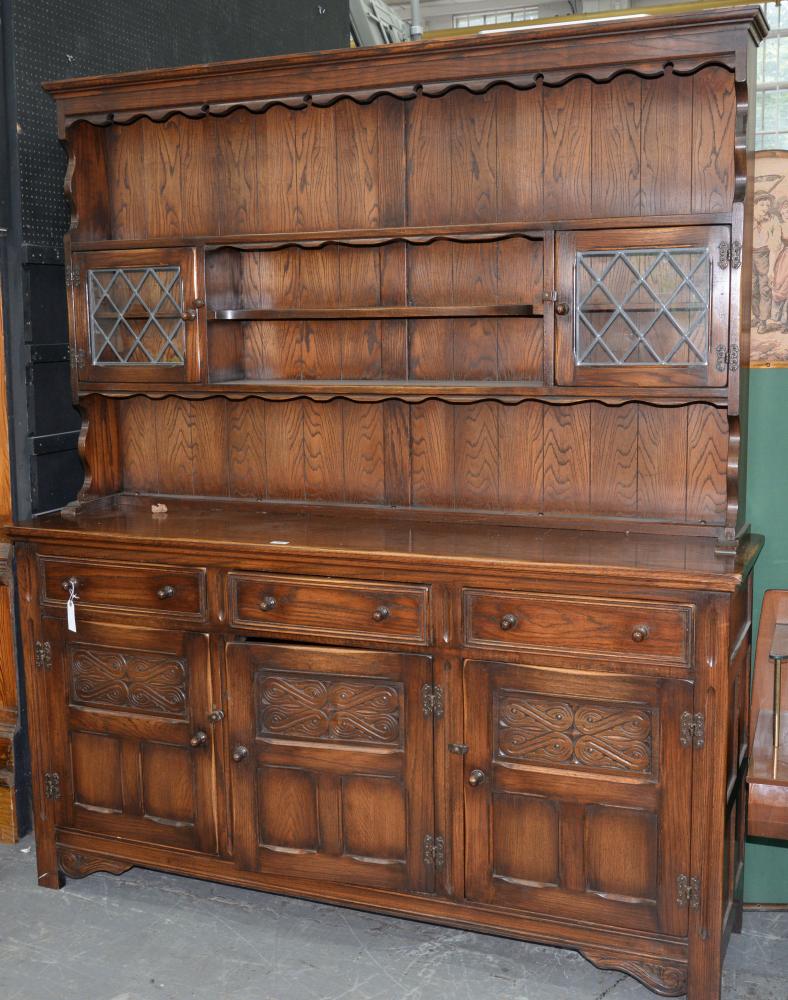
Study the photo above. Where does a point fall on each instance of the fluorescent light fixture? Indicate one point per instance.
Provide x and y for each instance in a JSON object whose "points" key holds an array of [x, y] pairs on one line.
{"points": [[579, 20]]}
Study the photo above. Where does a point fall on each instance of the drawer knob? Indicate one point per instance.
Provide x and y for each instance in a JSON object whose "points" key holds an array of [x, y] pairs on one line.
{"points": [[381, 614], [166, 592], [240, 753], [476, 777], [508, 622], [199, 739], [640, 633], [70, 585], [268, 603]]}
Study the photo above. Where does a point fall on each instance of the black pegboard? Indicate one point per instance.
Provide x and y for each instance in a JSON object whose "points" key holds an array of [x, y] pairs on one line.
{"points": [[55, 39]]}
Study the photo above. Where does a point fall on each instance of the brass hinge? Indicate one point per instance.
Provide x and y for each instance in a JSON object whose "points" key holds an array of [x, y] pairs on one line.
{"points": [[43, 655], [688, 891], [72, 276], [52, 785], [434, 851], [727, 359], [729, 255], [692, 730], [432, 701]]}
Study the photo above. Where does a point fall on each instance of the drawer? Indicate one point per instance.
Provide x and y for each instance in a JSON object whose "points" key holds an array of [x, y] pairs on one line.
{"points": [[299, 606], [122, 587], [584, 626]]}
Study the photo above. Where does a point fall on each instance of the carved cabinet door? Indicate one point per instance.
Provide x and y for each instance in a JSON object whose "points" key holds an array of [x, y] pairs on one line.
{"points": [[138, 315], [331, 772], [644, 307], [577, 794], [130, 708]]}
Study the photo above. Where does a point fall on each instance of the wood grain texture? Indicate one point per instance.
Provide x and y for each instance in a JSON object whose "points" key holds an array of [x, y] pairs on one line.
{"points": [[666, 142], [714, 122], [567, 150], [615, 170]]}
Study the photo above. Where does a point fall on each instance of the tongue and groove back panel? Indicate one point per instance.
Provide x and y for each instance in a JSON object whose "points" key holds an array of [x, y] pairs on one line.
{"points": [[631, 461], [656, 148], [582, 149]]}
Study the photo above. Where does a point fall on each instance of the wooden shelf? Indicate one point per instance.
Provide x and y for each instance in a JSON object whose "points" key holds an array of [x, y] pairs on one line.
{"points": [[382, 389], [488, 231], [372, 312]]}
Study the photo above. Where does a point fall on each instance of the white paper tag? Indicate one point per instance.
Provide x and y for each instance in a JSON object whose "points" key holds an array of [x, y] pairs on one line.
{"points": [[71, 615], [71, 608]]}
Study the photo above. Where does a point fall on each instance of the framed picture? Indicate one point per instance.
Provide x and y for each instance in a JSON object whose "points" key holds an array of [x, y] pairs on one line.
{"points": [[769, 325]]}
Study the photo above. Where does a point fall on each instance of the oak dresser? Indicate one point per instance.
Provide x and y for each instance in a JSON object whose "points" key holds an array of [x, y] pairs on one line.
{"points": [[411, 568]]}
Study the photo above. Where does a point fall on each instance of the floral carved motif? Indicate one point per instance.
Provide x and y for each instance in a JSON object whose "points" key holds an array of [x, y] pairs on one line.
{"points": [[566, 733], [340, 709], [76, 865], [666, 978], [140, 681]]}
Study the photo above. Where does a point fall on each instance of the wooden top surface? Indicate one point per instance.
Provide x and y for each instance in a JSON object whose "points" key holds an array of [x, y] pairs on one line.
{"points": [[779, 650], [226, 528]]}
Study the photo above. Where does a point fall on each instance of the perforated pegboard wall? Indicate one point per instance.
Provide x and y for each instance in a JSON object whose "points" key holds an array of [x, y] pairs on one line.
{"points": [[53, 39]]}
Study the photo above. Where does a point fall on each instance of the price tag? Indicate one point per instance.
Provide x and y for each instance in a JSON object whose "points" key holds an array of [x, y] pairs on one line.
{"points": [[71, 608]]}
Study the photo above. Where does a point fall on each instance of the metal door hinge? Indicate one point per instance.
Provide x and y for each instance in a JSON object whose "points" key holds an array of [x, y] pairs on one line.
{"points": [[729, 255], [688, 891], [432, 701], [692, 730], [434, 851], [72, 276], [727, 359], [52, 785], [43, 655]]}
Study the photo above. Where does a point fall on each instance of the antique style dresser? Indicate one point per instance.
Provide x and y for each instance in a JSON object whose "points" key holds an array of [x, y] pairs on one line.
{"points": [[411, 569]]}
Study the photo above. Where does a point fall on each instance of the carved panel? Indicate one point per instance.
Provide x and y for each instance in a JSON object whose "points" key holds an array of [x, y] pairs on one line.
{"points": [[563, 733], [328, 708], [669, 979], [76, 865], [150, 683]]}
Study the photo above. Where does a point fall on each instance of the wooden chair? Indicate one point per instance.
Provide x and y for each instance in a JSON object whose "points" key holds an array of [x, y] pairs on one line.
{"points": [[767, 776]]}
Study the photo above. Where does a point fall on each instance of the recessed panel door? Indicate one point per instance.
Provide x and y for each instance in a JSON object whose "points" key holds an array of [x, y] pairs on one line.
{"points": [[577, 794], [136, 741], [331, 771]]}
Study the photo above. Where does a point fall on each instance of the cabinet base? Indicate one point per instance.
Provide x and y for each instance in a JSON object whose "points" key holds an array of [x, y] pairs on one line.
{"points": [[660, 963]]}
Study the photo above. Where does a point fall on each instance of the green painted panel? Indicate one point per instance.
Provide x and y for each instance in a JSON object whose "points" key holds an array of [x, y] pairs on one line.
{"points": [[766, 870]]}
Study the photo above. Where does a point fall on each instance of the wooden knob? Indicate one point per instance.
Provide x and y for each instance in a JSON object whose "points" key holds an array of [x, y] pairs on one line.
{"points": [[199, 739], [561, 309], [381, 614], [640, 633], [508, 622], [476, 777], [268, 603], [240, 753], [166, 592]]}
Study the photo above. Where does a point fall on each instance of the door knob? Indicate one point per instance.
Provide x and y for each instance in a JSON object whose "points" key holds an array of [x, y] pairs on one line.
{"points": [[561, 309], [199, 739], [476, 777], [240, 753]]}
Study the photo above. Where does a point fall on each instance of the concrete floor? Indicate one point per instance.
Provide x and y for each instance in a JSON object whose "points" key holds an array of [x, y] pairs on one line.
{"points": [[149, 936]]}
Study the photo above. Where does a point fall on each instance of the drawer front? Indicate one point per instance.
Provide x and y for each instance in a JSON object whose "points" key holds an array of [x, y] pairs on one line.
{"points": [[579, 625], [148, 589], [299, 606]]}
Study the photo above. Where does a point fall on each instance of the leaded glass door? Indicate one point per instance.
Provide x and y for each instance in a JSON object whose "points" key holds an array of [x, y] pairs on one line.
{"points": [[138, 315], [643, 307]]}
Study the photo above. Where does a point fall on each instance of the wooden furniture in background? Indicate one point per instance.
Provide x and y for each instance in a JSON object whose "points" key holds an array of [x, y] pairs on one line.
{"points": [[767, 776], [411, 568]]}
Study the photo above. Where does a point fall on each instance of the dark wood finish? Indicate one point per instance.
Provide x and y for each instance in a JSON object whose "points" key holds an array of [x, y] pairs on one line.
{"points": [[384, 440]]}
